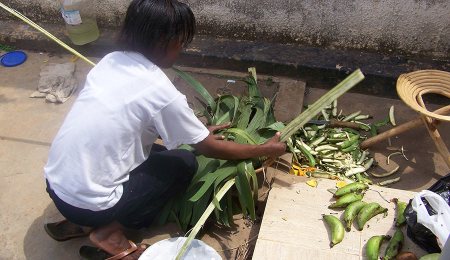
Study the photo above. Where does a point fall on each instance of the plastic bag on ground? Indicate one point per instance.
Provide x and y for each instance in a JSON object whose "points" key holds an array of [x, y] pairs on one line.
{"points": [[429, 206], [168, 249]]}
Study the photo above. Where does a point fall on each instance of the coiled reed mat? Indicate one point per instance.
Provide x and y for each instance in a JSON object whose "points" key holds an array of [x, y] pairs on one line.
{"points": [[411, 88]]}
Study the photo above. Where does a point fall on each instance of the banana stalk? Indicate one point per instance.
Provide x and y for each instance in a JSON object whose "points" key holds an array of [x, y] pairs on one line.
{"points": [[320, 104], [204, 217]]}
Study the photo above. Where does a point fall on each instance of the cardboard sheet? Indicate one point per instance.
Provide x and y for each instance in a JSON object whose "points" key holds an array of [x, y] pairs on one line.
{"points": [[292, 226]]}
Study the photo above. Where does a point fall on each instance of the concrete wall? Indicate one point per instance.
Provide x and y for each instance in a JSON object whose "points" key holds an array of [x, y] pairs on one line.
{"points": [[402, 26]]}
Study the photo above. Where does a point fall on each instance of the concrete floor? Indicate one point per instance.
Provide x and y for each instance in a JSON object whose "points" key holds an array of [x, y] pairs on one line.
{"points": [[27, 127]]}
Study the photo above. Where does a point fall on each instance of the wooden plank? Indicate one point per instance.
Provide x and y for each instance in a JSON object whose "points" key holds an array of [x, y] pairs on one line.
{"points": [[293, 225]]}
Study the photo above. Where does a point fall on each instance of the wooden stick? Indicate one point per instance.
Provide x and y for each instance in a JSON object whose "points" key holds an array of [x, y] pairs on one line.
{"points": [[401, 129], [391, 132], [436, 136]]}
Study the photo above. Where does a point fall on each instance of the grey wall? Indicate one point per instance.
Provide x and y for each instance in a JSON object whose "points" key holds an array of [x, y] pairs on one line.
{"points": [[402, 26]]}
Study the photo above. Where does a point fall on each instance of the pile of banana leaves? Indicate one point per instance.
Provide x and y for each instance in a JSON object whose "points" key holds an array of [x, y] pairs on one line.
{"points": [[253, 122]]}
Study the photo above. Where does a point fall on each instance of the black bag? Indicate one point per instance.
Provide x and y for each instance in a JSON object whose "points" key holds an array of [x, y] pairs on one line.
{"points": [[417, 232]]}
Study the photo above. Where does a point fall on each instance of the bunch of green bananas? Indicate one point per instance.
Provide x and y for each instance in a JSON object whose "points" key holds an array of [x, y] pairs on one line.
{"points": [[350, 197]]}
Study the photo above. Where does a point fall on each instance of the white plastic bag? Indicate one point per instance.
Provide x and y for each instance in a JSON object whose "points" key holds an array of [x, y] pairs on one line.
{"points": [[168, 249], [439, 223]]}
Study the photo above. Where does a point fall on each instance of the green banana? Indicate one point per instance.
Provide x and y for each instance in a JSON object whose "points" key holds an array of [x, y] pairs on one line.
{"points": [[400, 220], [349, 188], [337, 229], [345, 200], [373, 246], [394, 246], [351, 212], [367, 212]]}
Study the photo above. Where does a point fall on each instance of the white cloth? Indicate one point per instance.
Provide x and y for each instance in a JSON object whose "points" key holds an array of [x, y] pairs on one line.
{"points": [[57, 82], [126, 103]]}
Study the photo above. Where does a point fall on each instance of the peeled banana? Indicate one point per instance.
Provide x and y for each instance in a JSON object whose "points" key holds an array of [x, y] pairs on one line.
{"points": [[336, 227], [367, 212], [394, 246], [349, 188], [351, 212], [373, 246], [345, 200]]}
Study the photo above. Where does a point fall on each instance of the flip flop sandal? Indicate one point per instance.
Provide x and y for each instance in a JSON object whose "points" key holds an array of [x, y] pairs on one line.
{"points": [[64, 230], [94, 253]]}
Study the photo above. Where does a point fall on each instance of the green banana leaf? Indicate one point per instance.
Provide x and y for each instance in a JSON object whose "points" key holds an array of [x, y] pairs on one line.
{"points": [[244, 190], [226, 109], [241, 136], [253, 90], [248, 114], [268, 132], [205, 166], [200, 206], [198, 87], [208, 179]]}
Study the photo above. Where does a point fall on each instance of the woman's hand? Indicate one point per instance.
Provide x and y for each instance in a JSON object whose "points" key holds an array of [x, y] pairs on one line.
{"points": [[215, 147], [214, 128], [274, 147]]}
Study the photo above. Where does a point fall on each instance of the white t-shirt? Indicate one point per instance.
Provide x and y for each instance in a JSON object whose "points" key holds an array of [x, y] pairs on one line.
{"points": [[126, 103]]}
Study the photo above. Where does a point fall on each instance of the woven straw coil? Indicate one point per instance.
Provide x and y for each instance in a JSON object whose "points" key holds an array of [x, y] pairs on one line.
{"points": [[412, 86]]}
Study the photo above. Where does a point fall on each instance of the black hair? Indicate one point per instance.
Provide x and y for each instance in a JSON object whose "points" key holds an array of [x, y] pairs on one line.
{"points": [[151, 24]]}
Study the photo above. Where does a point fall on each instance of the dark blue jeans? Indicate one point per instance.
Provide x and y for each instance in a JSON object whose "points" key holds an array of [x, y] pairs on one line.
{"points": [[151, 185]]}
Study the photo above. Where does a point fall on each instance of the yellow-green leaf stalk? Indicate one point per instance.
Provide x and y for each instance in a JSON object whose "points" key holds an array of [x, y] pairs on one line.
{"points": [[320, 104], [204, 217]]}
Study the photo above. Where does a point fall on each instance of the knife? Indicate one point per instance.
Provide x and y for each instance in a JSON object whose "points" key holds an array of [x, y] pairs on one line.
{"points": [[335, 123]]}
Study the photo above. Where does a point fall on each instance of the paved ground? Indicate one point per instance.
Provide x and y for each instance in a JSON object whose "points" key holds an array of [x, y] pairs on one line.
{"points": [[27, 127]]}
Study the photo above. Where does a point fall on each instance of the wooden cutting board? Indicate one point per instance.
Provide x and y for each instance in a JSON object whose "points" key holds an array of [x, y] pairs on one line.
{"points": [[292, 226]]}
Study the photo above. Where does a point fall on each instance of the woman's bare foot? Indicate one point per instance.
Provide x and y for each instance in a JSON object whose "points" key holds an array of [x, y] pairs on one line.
{"points": [[112, 239]]}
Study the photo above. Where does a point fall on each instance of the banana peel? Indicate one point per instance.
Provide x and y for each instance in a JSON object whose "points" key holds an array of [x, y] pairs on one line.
{"points": [[312, 183], [300, 171], [293, 171], [340, 184]]}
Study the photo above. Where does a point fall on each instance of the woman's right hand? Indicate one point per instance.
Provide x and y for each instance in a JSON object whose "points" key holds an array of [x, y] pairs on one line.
{"points": [[274, 147]]}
